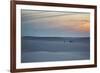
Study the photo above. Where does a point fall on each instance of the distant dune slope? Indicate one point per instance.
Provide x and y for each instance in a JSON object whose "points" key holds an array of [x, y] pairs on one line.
{"points": [[55, 44]]}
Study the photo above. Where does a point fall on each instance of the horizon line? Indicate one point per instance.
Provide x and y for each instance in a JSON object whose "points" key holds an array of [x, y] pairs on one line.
{"points": [[49, 36]]}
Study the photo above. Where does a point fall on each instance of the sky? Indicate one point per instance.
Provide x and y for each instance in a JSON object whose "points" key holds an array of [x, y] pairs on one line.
{"points": [[54, 24]]}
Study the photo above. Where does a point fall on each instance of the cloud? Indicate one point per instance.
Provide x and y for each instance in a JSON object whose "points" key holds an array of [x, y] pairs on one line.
{"points": [[55, 23]]}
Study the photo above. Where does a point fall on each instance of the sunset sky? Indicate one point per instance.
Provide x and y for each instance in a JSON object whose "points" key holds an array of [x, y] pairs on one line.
{"points": [[54, 24]]}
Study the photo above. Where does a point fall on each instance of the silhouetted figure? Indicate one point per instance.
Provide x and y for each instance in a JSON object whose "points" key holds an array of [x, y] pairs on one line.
{"points": [[70, 41]]}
